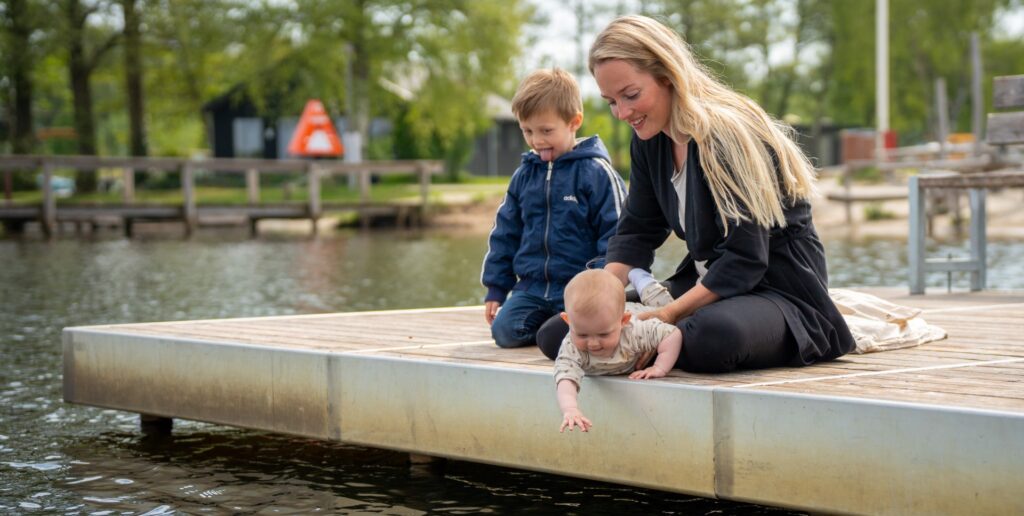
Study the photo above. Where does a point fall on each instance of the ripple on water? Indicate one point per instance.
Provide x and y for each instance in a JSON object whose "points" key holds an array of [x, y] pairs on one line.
{"points": [[38, 466]]}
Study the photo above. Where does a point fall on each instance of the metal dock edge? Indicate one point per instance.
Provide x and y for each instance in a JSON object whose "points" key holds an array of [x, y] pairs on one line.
{"points": [[819, 453]]}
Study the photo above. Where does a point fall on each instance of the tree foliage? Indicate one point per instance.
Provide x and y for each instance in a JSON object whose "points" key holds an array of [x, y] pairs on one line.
{"points": [[430, 66]]}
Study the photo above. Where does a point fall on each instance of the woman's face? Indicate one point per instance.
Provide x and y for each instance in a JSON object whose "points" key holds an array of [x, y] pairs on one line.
{"points": [[635, 96]]}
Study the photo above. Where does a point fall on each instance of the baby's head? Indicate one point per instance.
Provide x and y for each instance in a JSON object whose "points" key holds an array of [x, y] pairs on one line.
{"points": [[595, 309], [549, 109]]}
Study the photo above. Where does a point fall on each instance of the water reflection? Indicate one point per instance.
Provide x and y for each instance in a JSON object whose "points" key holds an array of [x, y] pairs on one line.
{"points": [[56, 457]]}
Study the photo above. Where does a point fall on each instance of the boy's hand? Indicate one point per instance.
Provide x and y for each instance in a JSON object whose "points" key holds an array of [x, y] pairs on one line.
{"points": [[651, 372], [573, 417], [491, 310]]}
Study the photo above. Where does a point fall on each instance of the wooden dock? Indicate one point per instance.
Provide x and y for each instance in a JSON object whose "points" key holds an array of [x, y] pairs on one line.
{"points": [[936, 429], [50, 214]]}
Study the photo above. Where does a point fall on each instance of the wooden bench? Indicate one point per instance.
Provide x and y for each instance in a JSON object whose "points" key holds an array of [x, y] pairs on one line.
{"points": [[1004, 129]]}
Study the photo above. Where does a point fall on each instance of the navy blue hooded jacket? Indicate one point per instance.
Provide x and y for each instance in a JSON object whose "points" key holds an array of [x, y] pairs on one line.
{"points": [[556, 217]]}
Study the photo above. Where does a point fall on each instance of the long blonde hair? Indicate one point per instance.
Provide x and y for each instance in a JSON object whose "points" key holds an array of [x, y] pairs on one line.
{"points": [[735, 136]]}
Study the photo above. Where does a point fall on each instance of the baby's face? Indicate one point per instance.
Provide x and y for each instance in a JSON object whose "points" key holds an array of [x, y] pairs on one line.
{"points": [[597, 333]]}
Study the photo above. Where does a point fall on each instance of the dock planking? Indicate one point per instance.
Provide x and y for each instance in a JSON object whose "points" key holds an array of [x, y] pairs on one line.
{"points": [[935, 428]]}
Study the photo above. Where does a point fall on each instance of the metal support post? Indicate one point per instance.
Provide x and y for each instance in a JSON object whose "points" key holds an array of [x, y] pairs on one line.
{"points": [[978, 241], [916, 238]]}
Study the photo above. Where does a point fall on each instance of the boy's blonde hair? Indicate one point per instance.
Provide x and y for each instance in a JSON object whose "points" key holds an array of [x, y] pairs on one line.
{"points": [[593, 290], [543, 90], [753, 165]]}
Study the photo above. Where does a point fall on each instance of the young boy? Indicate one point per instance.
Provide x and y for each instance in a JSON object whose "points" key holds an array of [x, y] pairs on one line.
{"points": [[561, 208], [603, 340]]}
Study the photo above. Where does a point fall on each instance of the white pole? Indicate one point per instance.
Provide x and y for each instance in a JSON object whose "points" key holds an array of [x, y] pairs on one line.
{"points": [[977, 99], [881, 74]]}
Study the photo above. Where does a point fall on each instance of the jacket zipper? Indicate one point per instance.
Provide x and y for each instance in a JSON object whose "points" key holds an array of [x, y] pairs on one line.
{"points": [[547, 228]]}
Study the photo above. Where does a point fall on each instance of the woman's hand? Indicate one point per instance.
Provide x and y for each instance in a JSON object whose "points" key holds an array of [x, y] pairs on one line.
{"points": [[619, 270], [660, 313]]}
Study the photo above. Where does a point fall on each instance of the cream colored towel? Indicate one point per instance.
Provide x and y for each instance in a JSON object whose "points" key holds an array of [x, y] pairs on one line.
{"points": [[878, 325]]}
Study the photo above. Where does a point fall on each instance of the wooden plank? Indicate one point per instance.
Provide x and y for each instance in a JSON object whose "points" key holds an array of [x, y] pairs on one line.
{"points": [[1008, 92], [313, 183], [1001, 179], [1005, 128], [868, 195], [382, 167]]}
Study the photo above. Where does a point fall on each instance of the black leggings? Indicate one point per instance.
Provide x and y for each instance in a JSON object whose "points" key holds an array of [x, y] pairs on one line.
{"points": [[741, 332]]}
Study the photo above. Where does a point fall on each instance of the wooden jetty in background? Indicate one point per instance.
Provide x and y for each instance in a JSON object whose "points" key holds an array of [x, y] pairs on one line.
{"points": [[50, 213], [936, 429]]}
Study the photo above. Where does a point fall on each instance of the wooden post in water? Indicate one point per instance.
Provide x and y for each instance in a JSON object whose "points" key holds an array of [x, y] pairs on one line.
{"points": [[847, 181], [313, 173], [364, 186], [155, 425], [252, 186], [364, 197], [188, 191], [128, 185], [252, 189], [49, 219], [424, 174]]}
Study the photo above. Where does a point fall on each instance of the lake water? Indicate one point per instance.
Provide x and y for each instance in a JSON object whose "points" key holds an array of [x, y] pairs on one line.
{"points": [[59, 458]]}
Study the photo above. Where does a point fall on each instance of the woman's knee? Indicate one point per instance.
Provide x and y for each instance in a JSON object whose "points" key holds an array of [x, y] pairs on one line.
{"points": [[711, 345]]}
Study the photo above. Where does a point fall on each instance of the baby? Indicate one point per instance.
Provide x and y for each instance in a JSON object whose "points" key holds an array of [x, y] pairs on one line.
{"points": [[603, 340]]}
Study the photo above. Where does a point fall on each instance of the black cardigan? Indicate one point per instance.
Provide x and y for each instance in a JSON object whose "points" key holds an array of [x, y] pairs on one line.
{"points": [[785, 265]]}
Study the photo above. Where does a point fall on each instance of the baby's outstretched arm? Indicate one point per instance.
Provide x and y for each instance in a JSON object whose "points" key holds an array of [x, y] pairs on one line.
{"points": [[571, 415], [668, 351]]}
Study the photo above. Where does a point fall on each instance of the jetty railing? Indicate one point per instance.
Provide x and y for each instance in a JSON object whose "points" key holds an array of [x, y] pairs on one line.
{"points": [[48, 213]]}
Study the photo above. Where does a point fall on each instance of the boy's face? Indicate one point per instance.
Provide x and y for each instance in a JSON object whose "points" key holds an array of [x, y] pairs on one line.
{"points": [[597, 333], [549, 135]]}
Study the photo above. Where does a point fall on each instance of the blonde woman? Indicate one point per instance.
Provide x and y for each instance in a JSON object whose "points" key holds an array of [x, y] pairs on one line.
{"points": [[711, 166]]}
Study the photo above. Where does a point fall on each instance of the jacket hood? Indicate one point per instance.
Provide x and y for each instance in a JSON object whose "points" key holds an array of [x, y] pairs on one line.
{"points": [[589, 147]]}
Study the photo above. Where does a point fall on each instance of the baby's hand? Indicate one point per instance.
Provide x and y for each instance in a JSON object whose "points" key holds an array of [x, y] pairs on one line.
{"points": [[650, 372], [573, 418]]}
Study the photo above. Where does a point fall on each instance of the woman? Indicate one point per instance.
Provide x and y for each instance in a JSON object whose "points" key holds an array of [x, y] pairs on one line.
{"points": [[709, 164]]}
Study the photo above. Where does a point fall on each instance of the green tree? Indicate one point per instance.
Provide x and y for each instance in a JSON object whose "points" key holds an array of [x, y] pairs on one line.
{"points": [[447, 54], [131, 11], [927, 40], [200, 49], [86, 45], [19, 20]]}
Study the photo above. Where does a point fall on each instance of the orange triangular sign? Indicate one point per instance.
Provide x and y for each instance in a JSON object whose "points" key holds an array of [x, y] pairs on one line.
{"points": [[315, 134]]}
